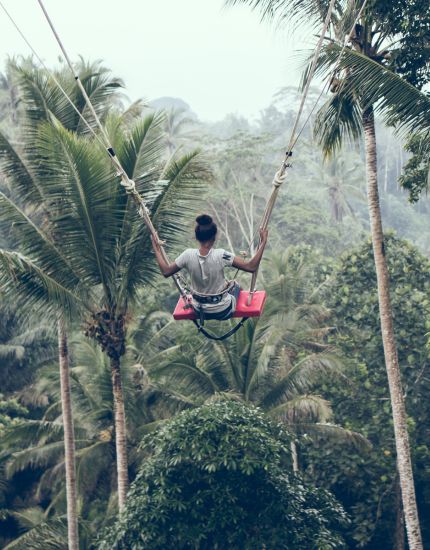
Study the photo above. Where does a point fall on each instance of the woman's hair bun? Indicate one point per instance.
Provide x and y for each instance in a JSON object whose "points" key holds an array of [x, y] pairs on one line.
{"points": [[204, 219]]}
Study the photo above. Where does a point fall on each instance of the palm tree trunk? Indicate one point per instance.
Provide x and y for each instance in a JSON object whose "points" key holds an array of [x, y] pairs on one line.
{"points": [[388, 339], [120, 433], [399, 536], [295, 456], [69, 438]]}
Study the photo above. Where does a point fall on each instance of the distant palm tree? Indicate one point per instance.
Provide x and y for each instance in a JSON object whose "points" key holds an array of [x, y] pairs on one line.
{"points": [[340, 178], [178, 125]]}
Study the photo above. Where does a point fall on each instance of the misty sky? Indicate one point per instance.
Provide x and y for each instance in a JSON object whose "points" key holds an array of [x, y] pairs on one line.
{"points": [[219, 60]]}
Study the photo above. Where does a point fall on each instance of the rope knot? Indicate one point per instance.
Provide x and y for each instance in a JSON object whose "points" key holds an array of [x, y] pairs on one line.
{"points": [[279, 178], [129, 185]]}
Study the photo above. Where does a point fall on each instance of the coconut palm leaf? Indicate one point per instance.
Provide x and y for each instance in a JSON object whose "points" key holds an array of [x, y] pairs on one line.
{"points": [[400, 103], [302, 376], [186, 374], [8, 352], [139, 148], [339, 119], [49, 535], [30, 431], [21, 277], [41, 456], [93, 461], [80, 180], [41, 97], [335, 433], [101, 88], [35, 241], [303, 408], [14, 167]]}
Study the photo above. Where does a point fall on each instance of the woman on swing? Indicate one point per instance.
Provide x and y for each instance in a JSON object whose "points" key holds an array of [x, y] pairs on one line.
{"points": [[205, 266]]}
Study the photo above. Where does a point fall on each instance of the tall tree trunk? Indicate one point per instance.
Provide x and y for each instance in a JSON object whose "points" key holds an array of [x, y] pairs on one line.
{"points": [[399, 536], [120, 433], [390, 351], [69, 438], [295, 456]]}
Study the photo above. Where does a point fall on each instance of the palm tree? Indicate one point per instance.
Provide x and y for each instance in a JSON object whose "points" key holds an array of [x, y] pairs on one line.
{"points": [[41, 101], [90, 253], [177, 126], [340, 180], [350, 112], [68, 437]]}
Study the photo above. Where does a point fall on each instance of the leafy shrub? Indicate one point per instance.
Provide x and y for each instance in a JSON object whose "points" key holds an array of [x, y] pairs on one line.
{"points": [[218, 477]]}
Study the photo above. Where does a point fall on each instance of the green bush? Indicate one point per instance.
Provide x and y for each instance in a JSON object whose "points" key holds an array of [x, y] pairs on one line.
{"points": [[219, 477]]}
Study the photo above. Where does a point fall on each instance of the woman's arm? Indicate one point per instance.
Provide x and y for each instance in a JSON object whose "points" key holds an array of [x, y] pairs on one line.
{"points": [[166, 269], [251, 265]]}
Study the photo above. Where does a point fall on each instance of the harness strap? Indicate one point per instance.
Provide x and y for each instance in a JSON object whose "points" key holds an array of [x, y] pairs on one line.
{"points": [[206, 298], [211, 336]]}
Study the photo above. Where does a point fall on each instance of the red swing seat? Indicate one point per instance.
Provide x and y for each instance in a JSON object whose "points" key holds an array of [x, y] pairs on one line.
{"points": [[255, 309]]}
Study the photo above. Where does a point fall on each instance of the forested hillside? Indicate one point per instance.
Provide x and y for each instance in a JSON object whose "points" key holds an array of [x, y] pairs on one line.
{"points": [[281, 436]]}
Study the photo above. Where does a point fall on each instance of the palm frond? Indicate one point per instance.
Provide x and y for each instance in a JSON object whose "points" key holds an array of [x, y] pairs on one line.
{"points": [[36, 242], [303, 408], [8, 351], [400, 103], [335, 433], [302, 377], [30, 432], [21, 277], [28, 518], [338, 120], [101, 88], [93, 462], [185, 376], [41, 456], [15, 168], [79, 179], [49, 535]]}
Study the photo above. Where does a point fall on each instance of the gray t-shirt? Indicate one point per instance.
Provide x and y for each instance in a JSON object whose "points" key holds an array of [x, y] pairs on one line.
{"points": [[207, 273]]}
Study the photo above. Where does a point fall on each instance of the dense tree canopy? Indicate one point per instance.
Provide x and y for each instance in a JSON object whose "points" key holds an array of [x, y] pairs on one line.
{"points": [[219, 477]]}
